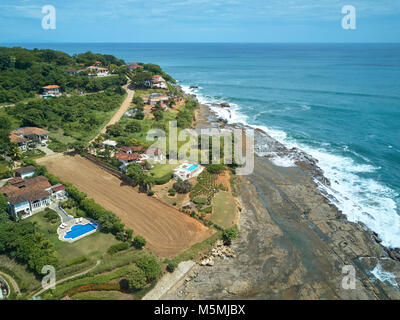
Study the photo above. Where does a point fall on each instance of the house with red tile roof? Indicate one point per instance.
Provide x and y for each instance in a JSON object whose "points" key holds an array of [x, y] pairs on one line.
{"points": [[28, 137], [27, 197], [129, 155]]}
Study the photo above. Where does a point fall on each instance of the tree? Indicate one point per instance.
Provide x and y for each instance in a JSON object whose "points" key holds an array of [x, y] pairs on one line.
{"points": [[182, 186], [136, 278], [139, 242], [158, 115], [115, 130], [134, 126], [4, 216], [150, 266], [139, 115], [230, 234]]}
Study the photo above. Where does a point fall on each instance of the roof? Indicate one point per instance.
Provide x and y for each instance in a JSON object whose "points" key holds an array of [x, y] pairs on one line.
{"points": [[15, 180], [133, 148], [25, 169], [29, 131], [71, 70], [111, 143], [27, 190], [58, 187], [52, 86], [122, 156]]}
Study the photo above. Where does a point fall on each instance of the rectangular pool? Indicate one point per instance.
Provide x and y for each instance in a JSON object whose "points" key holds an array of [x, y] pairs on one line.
{"points": [[80, 230]]}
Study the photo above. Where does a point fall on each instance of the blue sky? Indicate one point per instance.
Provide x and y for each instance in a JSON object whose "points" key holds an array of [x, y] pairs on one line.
{"points": [[199, 21]]}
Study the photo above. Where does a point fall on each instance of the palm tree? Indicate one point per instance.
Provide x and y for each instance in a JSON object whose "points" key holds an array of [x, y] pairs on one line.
{"points": [[15, 153]]}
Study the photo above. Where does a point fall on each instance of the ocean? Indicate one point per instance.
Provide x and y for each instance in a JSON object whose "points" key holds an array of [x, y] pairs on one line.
{"points": [[338, 102]]}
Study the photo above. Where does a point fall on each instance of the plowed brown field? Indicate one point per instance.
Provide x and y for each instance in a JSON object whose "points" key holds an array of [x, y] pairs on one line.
{"points": [[168, 231]]}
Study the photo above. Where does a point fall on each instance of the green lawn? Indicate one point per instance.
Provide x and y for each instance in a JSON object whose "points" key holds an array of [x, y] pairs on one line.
{"points": [[92, 246], [224, 209], [160, 170]]}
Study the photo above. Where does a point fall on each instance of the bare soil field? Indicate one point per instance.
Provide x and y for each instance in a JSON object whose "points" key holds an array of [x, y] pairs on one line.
{"points": [[168, 231]]}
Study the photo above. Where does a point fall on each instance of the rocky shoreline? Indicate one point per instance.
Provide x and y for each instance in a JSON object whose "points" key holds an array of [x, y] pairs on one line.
{"points": [[293, 243]]}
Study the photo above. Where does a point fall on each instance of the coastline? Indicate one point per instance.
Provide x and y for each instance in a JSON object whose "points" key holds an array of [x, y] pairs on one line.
{"points": [[293, 241]]}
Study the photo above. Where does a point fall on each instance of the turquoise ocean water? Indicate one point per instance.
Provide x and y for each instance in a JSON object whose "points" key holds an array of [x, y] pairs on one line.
{"points": [[338, 102]]}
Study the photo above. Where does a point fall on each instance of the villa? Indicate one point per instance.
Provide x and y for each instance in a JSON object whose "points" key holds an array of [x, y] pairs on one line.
{"points": [[109, 143], [187, 171], [29, 137], [97, 71], [132, 154], [159, 82], [27, 197], [51, 91], [133, 66], [154, 98]]}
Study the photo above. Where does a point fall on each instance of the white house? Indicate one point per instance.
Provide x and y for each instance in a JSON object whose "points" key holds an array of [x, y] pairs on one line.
{"points": [[110, 143], [187, 170]]}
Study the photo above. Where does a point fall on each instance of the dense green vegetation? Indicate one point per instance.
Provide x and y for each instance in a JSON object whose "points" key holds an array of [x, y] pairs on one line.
{"points": [[77, 116], [24, 72], [23, 242]]}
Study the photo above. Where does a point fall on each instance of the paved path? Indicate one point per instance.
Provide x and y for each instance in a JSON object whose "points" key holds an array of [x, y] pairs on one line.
{"points": [[169, 280], [66, 279], [12, 281], [120, 112]]}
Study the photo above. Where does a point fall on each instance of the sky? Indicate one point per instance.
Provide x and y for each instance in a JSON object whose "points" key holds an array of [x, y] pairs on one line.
{"points": [[199, 21]]}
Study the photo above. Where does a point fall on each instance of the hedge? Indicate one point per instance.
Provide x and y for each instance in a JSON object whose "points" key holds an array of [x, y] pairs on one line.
{"points": [[75, 261], [118, 247], [164, 179]]}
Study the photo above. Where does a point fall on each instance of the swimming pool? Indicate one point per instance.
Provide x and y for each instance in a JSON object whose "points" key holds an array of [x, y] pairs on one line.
{"points": [[192, 167], [79, 230]]}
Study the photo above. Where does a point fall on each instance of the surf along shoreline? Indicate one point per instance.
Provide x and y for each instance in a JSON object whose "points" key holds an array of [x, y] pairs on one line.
{"points": [[290, 225]]}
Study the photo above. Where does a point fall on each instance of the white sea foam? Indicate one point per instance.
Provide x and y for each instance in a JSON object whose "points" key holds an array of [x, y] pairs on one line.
{"points": [[384, 276], [360, 199]]}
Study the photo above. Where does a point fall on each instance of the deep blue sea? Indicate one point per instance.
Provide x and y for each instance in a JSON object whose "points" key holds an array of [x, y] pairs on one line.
{"points": [[338, 102]]}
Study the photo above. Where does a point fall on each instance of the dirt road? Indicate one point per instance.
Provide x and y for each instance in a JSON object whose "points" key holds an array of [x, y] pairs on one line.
{"points": [[120, 112], [168, 231]]}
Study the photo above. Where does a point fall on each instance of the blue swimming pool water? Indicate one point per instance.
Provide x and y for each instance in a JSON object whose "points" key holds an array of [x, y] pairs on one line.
{"points": [[79, 230], [192, 167]]}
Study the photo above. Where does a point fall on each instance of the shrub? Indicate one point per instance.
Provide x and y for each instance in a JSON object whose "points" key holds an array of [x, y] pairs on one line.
{"points": [[182, 186], [200, 200], [164, 179], [172, 266], [172, 192], [230, 234], [215, 168], [118, 247], [151, 193], [136, 278], [150, 266], [51, 215], [139, 242]]}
